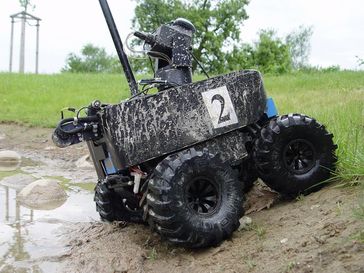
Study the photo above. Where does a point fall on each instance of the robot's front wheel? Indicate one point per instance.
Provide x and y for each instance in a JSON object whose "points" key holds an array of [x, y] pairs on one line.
{"points": [[194, 199]]}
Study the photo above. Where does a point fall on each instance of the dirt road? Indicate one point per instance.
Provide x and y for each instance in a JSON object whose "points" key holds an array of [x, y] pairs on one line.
{"points": [[314, 233]]}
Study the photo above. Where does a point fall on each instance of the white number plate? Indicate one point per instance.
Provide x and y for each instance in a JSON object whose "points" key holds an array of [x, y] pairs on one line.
{"points": [[220, 107]]}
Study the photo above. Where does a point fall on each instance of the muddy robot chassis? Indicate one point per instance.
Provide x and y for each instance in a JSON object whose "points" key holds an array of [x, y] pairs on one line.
{"points": [[181, 160]]}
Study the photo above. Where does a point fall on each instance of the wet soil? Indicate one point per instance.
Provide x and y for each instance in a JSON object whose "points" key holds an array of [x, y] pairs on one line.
{"points": [[315, 233]]}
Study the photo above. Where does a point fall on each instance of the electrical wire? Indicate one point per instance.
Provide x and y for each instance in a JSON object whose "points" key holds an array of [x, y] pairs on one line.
{"points": [[144, 51], [31, 24], [152, 65], [130, 48], [150, 62], [144, 91], [75, 129], [200, 65], [78, 112], [161, 56]]}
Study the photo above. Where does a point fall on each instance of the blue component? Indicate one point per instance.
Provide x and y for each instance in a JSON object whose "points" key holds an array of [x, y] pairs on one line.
{"points": [[270, 109], [109, 166]]}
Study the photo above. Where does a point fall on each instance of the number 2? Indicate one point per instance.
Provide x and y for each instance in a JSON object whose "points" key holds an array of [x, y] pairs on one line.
{"points": [[219, 107], [220, 98]]}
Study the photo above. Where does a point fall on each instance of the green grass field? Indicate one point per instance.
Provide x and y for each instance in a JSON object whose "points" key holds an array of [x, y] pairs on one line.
{"points": [[335, 99]]}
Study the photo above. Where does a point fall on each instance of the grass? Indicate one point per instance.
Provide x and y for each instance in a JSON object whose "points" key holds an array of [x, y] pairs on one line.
{"points": [[4, 174], [300, 198], [36, 100], [152, 255], [250, 263], [259, 230], [335, 99], [290, 266]]}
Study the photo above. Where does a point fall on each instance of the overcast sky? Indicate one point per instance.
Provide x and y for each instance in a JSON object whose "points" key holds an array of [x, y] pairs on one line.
{"points": [[69, 24]]}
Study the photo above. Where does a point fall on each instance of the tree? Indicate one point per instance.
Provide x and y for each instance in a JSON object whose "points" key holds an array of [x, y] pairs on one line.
{"points": [[25, 4], [300, 47], [93, 59], [271, 54], [359, 60], [217, 23], [241, 57]]}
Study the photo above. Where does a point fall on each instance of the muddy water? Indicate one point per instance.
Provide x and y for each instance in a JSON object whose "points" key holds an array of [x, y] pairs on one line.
{"points": [[32, 240]]}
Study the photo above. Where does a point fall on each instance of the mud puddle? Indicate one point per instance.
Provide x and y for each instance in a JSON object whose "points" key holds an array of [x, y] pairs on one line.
{"points": [[33, 240]]}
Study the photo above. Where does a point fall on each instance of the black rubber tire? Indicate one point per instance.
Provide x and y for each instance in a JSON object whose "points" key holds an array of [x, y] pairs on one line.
{"points": [[303, 143], [110, 206], [170, 211]]}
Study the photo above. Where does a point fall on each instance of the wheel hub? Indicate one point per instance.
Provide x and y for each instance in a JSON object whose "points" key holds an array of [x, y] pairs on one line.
{"points": [[202, 195], [299, 156]]}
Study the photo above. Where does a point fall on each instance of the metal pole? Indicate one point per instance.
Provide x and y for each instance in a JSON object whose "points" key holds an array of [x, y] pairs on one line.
{"points": [[11, 45], [37, 50], [119, 47], [6, 204], [22, 44], [18, 226]]}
